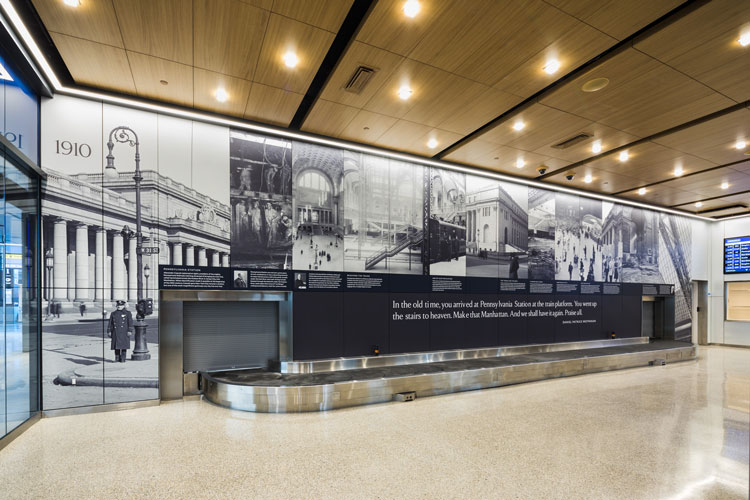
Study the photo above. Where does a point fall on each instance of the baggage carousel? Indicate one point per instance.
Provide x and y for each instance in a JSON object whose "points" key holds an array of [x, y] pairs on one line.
{"points": [[338, 383]]}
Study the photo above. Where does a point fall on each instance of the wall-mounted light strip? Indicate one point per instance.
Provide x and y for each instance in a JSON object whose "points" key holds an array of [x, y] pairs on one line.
{"points": [[30, 43]]}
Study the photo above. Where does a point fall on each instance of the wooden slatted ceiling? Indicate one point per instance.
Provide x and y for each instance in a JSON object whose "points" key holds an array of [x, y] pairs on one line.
{"points": [[197, 45], [743, 198]]}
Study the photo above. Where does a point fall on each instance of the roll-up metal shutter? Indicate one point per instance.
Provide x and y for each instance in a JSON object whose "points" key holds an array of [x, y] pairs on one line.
{"points": [[226, 335]]}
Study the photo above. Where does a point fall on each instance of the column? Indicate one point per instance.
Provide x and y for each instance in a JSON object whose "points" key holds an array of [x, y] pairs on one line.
{"points": [[100, 252], [189, 255], [224, 259], [132, 271], [60, 260], [214, 258], [202, 260], [119, 290], [107, 275], [71, 290], [176, 254], [82, 262]]}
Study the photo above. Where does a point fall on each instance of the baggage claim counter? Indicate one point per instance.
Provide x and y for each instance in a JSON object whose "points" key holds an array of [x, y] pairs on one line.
{"points": [[251, 350]]}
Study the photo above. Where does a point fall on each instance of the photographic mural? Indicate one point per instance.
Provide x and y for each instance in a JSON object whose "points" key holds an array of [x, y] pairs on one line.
{"points": [[213, 198]]}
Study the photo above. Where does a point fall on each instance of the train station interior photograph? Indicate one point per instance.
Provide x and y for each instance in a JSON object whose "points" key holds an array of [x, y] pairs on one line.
{"points": [[375, 249]]}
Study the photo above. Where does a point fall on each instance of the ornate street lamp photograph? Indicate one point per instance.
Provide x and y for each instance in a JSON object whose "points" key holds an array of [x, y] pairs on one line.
{"points": [[144, 307]]}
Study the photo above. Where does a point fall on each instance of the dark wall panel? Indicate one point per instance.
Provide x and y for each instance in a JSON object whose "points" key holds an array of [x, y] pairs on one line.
{"points": [[318, 325], [365, 323]]}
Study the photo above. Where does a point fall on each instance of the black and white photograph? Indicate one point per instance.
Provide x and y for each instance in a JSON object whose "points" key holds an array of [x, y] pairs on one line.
{"points": [[613, 229], [570, 263], [590, 214], [261, 199], [383, 220], [541, 246], [482, 241], [317, 175], [239, 279], [300, 281], [447, 223]]}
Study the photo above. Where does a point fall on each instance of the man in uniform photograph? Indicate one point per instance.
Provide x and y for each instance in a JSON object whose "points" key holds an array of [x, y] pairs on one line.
{"points": [[120, 329]]}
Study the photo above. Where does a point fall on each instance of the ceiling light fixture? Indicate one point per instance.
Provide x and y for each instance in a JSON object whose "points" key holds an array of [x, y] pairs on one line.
{"points": [[588, 179], [740, 144], [290, 59], [624, 156], [724, 185], [744, 39], [552, 66], [678, 171], [72, 3], [520, 163], [411, 8], [432, 143], [642, 191], [221, 95], [595, 85], [698, 204], [596, 147], [404, 93], [519, 125]]}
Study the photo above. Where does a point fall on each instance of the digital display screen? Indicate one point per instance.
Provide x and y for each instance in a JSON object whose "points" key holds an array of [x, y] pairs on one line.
{"points": [[737, 255]]}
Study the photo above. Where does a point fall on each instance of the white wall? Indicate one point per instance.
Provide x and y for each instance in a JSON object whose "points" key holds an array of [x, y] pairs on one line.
{"points": [[720, 331]]}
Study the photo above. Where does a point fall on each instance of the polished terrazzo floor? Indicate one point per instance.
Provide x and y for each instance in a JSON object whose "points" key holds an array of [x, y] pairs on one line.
{"points": [[679, 431]]}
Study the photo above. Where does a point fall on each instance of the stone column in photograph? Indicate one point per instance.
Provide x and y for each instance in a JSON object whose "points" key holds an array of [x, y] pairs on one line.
{"points": [[119, 287], [202, 261], [100, 251], [60, 260], [107, 276], [214, 258], [71, 290], [176, 254], [189, 255], [132, 271], [224, 259], [82, 262]]}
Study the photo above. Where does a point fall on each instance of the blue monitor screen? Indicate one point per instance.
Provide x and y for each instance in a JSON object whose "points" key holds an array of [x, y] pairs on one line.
{"points": [[737, 255]]}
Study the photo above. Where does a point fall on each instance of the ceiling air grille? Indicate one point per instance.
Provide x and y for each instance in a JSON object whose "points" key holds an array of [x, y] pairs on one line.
{"points": [[359, 79], [573, 141]]}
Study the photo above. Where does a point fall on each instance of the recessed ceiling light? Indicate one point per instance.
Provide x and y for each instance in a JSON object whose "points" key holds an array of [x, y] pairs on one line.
{"points": [[642, 191], [221, 95], [724, 185], [595, 84], [596, 147], [404, 92], [678, 171], [740, 144], [76, 3], [744, 39], [290, 59], [552, 66], [432, 143], [624, 156], [699, 204], [411, 8], [519, 125], [588, 179], [520, 163]]}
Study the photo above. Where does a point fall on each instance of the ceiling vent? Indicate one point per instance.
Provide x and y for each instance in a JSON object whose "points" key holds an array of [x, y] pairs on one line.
{"points": [[359, 79], [573, 141]]}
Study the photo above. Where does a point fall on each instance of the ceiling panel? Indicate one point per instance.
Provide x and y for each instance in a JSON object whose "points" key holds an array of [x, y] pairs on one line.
{"points": [[412, 137], [228, 36], [706, 185], [661, 195], [310, 44], [704, 45], [206, 83], [601, 180], [95, 64], [329, 118], [163, 29], [643, 97], [148, 73], [714, 140], [95, 21], [382, 61], [367, 127], [327, 15], [743, 198], [481, 110], [610, 138], [503, 158], [271, 105], [614, 17]]}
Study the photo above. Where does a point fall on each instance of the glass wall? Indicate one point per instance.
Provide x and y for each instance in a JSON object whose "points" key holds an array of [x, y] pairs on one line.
{"points": [[19, 243]]}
